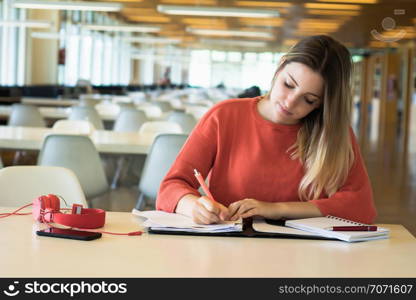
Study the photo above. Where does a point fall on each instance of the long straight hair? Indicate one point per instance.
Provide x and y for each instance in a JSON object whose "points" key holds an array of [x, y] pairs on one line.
{"points": [[323, 142]]}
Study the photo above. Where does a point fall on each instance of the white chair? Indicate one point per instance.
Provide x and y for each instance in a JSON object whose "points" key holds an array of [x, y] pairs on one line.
{"points": [[86, 113], [196, 110], [151, 111], [78, 153], [19, 185], [158, 162], [73, 127], [25, 115], [186, 121], [154, 128], [130, 120]]}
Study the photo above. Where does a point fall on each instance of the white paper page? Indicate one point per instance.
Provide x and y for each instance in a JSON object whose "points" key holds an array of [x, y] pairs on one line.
{"points": [[161, 220]]}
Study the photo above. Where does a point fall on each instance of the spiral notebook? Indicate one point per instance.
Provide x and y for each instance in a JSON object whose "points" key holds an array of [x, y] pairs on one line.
{"points": [[322, 225]]}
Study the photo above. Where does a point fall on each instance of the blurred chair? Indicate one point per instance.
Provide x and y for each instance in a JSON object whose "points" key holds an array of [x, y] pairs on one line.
{"points": [[186, 121], [19, 185], [160, 158], [86, 113], [154, 128], [73, 127], [25, 115], [165, 106], [130, 120], [151, 111], [196, 110], [78, 153]]}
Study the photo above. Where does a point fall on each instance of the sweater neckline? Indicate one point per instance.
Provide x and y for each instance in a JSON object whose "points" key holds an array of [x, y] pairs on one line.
{"points": [[263, 122]]}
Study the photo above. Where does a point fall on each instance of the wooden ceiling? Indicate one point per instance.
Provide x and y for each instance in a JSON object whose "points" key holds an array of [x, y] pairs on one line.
{"points": [[359, 25]]}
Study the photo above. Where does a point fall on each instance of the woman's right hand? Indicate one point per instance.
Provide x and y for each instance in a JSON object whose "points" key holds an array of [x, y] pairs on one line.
{"points": [[206, 211]]}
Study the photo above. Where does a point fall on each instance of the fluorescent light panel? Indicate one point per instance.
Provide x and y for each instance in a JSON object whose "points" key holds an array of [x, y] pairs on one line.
{"points": [[26, 23], [216, 11], [124, 28], [351, 1], [68, 5], [256, 34]]}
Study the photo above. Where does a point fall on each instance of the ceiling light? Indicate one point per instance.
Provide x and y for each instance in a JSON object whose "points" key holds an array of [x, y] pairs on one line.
{"points": [[217, 11], [26, 23], [241, 43], [262, 3], [333, 12], [351, 1], [255, 34], [67, 5], [151, 40], [332, 6], [125, 28]]}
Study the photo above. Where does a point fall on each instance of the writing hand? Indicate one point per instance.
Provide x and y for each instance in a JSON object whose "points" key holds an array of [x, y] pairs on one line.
{"points": [[206, 211]]}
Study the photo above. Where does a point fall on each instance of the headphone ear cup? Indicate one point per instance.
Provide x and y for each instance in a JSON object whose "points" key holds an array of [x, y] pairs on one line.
{"points": [[38, 206], [54, 203]]}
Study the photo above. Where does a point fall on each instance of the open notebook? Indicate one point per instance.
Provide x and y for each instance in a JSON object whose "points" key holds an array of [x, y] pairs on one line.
{"points": [[160, 222]]}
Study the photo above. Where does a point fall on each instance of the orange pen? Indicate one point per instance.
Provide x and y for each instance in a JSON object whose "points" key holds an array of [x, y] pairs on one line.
{"points": [[203, 184]]}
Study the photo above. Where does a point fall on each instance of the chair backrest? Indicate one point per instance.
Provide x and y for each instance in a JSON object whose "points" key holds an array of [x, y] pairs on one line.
{"points": [[151, 111], [25, 115], [165, 106], [19, 185], [160, 158], [196, 110], [78, 153], [186, 121], [129, 120], [86, 113], [73, 127]]}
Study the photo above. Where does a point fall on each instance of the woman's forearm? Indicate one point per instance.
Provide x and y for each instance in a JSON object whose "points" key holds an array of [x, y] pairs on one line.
{"points": [[297, 210]]}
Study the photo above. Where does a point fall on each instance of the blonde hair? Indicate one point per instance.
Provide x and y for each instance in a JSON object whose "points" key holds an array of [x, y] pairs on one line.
{"points": [[323, 143]]}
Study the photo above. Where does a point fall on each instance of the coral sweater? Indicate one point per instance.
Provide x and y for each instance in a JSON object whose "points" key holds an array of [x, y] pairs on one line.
{"points": [[246, 157]]}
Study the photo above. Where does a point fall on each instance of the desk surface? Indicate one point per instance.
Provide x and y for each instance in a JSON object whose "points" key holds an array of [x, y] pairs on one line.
{"points": [[24, 254], [106, 141]]}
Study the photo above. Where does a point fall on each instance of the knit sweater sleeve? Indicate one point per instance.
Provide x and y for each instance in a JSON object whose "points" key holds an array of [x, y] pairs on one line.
{"points": [[354, 200], [199, 153]]}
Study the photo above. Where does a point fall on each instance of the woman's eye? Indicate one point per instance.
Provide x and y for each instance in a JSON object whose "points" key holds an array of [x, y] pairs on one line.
{"points": [[309, 101], [288, 85]]}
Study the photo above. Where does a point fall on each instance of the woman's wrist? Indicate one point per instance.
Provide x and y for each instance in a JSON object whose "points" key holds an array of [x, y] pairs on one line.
{"points": [[186, 204]]}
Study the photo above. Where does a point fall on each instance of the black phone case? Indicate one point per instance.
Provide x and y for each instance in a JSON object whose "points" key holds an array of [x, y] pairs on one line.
{"points": [[93, 236]]}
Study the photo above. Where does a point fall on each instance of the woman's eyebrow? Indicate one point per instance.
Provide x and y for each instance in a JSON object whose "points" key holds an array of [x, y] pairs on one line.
{"points": [[298, 85]]}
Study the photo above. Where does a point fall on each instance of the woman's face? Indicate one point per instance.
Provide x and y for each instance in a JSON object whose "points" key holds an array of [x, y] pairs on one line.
{"points": [[296, 92]]}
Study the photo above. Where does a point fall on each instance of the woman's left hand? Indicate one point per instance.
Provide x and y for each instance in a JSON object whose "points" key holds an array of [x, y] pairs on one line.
{"points": [[251, 207]]}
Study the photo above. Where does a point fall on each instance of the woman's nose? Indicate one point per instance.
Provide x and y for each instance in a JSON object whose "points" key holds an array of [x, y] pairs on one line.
{"points": [[290, 101]]}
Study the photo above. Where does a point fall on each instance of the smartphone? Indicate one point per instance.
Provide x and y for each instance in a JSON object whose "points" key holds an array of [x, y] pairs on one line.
{"points": [[69, 234]]}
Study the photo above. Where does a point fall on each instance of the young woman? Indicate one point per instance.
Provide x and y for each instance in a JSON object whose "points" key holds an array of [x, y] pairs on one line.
{"points": [[289, 154]]}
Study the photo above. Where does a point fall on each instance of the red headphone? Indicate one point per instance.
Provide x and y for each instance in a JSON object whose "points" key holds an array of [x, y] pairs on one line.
{"points": [[46, 209]]}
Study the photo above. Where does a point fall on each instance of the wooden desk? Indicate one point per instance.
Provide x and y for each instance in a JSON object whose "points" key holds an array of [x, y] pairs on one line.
{"points": [[106, 141], [24, 254]]}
